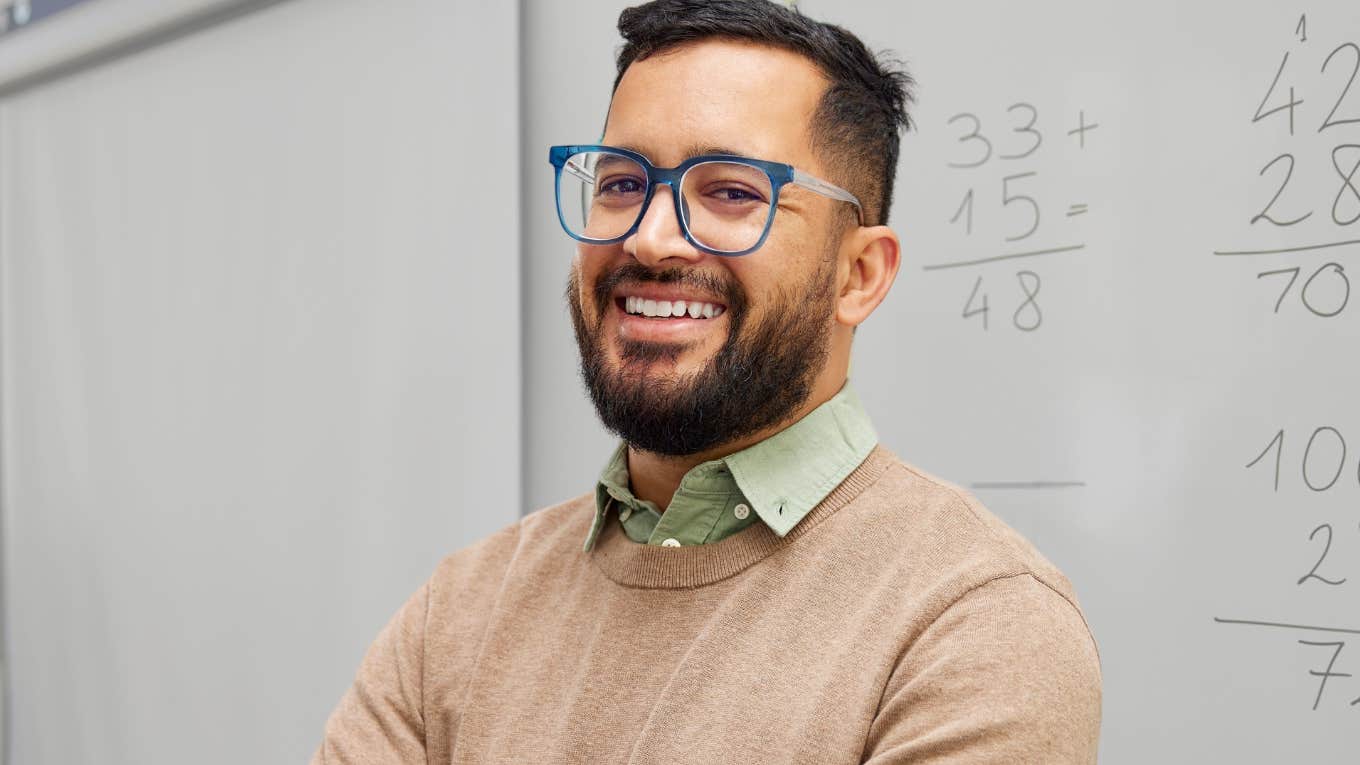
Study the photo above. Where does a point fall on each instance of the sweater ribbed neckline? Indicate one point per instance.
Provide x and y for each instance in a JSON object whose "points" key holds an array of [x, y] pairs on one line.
{"points": [[656, 567]]}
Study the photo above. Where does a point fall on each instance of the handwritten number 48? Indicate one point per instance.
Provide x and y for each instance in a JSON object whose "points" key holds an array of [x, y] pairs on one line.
{"points": [[1027, 317]]}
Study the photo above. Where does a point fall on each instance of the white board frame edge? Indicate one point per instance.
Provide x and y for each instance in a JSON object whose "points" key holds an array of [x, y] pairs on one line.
{"points": [[96, 32]]}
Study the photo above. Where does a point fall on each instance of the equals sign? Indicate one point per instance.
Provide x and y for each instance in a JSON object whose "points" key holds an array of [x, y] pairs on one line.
{"points": [[1076, 210]]}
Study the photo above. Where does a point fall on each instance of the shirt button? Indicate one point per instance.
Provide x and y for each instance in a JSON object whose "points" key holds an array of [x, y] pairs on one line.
{"points": [[741, 511], [625, 513], [671, 542]]}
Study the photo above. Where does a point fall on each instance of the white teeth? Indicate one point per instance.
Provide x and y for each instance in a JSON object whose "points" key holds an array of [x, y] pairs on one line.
{"points": [[664, 309]]}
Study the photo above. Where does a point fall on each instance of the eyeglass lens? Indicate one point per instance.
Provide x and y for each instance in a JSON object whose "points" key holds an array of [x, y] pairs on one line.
{"points": [[725, 205]]}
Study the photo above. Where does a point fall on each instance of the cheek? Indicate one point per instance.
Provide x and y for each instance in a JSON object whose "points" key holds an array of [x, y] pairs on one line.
{"points": [[778, 270], [585, 275]]}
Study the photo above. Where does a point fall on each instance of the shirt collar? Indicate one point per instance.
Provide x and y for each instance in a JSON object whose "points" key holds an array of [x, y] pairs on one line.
{"points": [[782, 477]]}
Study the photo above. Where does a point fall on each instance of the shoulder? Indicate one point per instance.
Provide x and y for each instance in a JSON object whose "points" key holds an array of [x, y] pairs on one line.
{"points": [[942, 537], [1007, 673], [998, 642], [468, 584], [559, 528]]}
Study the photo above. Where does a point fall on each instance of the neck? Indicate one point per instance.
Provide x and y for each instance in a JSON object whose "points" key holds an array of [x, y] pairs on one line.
{"points": [[655, 477]]}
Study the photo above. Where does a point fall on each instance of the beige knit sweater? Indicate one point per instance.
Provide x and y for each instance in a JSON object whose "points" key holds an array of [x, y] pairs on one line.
{"points": [[899, 622]]}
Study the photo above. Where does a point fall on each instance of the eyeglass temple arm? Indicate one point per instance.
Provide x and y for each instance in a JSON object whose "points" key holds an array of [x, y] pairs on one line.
{"points": [[831, 190], [579, 172]]}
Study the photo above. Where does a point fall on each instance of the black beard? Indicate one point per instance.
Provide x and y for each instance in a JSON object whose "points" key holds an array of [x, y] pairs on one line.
{"points": [[752, 383]]}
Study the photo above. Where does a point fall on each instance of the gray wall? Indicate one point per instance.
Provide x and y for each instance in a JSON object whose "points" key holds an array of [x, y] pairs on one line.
{"points": [[260, 367], [568, 60]]}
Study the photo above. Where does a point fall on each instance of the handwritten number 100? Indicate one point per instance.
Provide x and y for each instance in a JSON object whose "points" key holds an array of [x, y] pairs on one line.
{"points": [[1320, 437]]}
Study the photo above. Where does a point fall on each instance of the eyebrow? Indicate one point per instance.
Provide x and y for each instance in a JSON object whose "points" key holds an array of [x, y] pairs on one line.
{"points": [[694, 150]]}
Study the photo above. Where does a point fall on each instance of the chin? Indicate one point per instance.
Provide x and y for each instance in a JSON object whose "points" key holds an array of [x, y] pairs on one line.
{"points": [[659, 360]]}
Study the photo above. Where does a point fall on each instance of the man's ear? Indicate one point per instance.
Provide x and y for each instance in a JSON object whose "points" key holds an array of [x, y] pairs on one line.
{"points": [[870, 257]]}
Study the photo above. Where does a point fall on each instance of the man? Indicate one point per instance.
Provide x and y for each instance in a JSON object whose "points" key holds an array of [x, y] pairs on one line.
{"points": [[753, 578]]}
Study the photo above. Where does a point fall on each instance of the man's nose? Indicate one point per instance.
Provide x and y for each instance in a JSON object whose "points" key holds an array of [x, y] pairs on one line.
{"points": [[658, 237]]}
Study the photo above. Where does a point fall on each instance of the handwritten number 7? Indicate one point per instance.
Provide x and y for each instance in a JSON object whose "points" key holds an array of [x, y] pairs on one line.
{"points": [[1293, 276]]}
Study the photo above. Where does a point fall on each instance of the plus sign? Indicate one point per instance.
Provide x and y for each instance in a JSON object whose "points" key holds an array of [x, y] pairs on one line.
{"points": [[1080, 130]]}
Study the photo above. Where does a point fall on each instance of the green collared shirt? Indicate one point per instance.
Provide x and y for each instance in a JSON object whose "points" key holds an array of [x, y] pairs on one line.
{"points": [[777, 481]]}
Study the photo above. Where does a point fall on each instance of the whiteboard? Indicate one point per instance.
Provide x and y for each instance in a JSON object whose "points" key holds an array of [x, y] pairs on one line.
{"points": [[1111, 417], [1124, 321]]}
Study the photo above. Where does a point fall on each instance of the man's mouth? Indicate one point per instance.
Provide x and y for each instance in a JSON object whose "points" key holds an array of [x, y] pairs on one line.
{"points": [[637, 305]]}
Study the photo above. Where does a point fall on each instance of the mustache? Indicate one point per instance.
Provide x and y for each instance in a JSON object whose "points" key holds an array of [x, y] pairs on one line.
{"points": [[727, 290]]}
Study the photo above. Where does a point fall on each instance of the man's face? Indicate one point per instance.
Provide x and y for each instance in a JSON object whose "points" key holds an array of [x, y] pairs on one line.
{"points": [[687, 384]]}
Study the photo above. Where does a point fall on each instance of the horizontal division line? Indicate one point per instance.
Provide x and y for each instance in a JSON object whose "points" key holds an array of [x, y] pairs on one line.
{"points": [[1027, 484], [1287, 626], [1283, 250], [1009, 256]]}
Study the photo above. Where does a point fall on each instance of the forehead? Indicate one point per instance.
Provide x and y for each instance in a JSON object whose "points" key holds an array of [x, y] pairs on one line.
{"points": [[750, 99]]}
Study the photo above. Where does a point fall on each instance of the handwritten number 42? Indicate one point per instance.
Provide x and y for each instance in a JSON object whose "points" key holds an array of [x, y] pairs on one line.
{"points": [[1292, 102]]}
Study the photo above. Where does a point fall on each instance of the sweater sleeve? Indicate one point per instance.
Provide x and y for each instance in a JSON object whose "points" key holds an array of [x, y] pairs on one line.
{"points": [[1008, 673], [380, 719]]}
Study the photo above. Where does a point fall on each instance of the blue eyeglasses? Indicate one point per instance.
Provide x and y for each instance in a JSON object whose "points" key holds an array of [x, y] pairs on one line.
{"points": [[724, 203]]}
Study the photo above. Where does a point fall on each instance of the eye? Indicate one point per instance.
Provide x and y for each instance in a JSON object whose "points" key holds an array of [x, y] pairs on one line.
{"points": [[730, 194], [621, 184], [735, 194]]}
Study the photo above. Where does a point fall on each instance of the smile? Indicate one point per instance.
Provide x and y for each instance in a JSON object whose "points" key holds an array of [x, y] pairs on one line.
{"points": [[636, 305]]}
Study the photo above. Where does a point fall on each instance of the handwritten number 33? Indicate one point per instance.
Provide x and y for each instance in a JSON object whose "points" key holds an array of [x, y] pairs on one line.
{"points": [[981, 146]]}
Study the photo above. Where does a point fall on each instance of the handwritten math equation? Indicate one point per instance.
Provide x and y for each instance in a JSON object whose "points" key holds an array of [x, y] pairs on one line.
{"points": [[1329, 644], [1310, 103], [1313, 98], [1004, 216], [1322, 466], [1299, 464]]}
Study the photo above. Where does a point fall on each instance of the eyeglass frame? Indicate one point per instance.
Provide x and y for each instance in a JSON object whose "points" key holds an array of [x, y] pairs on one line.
{"points": [[780, 175]]}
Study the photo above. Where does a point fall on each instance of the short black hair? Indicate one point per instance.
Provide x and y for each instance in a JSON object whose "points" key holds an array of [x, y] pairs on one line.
{"points": [[859, 119]]}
